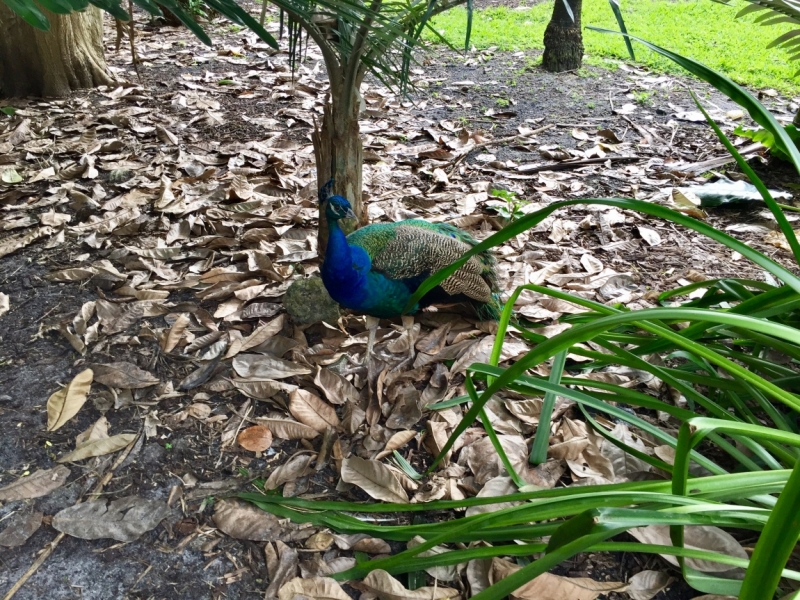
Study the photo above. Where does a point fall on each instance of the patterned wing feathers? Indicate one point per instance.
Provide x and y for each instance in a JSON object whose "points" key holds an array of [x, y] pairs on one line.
{"points": [[414, 250]]}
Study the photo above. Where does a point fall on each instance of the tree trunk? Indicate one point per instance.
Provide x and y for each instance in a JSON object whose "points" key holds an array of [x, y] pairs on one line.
{"points": [[563, 44], [52, 63], [338, 154]]}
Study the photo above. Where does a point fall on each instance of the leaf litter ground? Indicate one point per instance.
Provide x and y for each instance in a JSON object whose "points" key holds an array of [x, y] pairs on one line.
{"points": [[150, 232]]}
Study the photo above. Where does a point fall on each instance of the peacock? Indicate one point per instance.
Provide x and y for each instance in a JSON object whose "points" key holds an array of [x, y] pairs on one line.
{"points": [[377, 268]]}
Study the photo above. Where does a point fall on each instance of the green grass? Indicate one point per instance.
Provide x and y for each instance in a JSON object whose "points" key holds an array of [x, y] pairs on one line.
{"points": [[701, 29]]}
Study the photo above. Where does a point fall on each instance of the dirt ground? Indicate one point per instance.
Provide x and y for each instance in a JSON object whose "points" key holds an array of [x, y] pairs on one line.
{"points": [[187, 557]]}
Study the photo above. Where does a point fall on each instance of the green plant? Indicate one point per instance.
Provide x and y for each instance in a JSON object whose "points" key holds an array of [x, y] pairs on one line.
{"points": [[642, 97], [196, 7], [765, 137], [502, 102], [512, 209], [732, 352]]}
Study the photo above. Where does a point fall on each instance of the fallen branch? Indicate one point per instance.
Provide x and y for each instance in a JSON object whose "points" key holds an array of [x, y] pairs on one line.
{"points": [[713, 163], [575, 164], [504, 140]]}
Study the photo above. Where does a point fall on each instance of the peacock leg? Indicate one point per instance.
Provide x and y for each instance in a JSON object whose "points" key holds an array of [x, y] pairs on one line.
{"points": [[408, 323], [372, 327], [407, 362]]}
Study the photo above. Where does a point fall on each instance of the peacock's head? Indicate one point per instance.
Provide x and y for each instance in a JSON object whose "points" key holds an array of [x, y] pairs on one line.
{"points": [[339, 208]]}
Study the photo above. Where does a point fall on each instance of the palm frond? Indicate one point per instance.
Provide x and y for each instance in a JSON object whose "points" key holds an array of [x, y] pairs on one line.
{"points": [[379, 35]]}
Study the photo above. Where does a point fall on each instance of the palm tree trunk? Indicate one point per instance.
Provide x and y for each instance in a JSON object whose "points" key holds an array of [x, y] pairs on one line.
{"points": [[52, 63], [338, 154], [563, 44]]}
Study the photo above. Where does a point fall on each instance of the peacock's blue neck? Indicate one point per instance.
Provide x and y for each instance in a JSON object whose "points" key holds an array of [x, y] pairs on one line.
{"points": [[346, 273], [343, 270]]}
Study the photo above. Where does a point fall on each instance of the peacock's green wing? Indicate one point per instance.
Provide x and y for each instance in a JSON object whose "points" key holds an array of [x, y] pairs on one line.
{"points": [[410, 249]]}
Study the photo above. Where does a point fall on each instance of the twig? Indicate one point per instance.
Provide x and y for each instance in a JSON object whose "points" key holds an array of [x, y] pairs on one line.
{"points": [[49, 548], [713, 163], [132, 39], [647, 135], [566, 166], [263, 15], [511, 138]]}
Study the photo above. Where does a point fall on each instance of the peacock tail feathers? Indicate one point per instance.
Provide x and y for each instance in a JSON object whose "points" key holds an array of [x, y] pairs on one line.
{"points": [[489, 311]]}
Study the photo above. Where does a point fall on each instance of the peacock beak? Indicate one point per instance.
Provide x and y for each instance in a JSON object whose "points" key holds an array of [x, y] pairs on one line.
{"points": [[350, 214]]}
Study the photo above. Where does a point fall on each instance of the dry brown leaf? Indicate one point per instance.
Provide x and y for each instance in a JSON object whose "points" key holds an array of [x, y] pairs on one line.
{"points": [[646, 584], [99, 447], [259, 366], [387, 587], [123, 375], [96, 431], [19, 527], [649, 235], [66, 402], [312, 410], [316, 588], [175, 333], [777, 239], [262, 389], [336, 388], [13, 243], [553, 587], [263, 333], [123, 520], [701, 537], [371, 545], [397, 441], [441, 573], [623, 463], [374, 478], [35, 485], [289, 430], [321, 540], [499, 486], [244, 521], [255, 439], [291, 470], [54, 219], [282, 562], [478, 575]]}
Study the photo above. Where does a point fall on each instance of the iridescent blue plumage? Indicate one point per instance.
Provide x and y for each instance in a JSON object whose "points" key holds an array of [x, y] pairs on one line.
{"points": [[377, 268]]}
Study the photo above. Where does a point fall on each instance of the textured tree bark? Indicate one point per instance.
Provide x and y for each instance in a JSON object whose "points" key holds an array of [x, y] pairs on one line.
{"points": [[52, 63], [338, 153], [563, 43]]}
